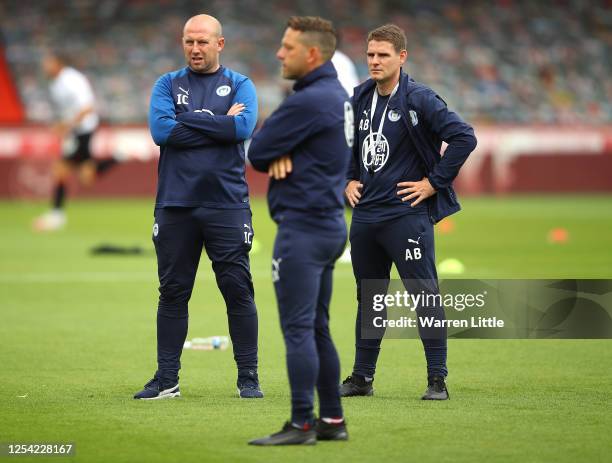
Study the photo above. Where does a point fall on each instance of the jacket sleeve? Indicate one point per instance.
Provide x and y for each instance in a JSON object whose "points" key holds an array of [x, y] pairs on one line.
{"points": [[449, 127], [229, 129], [164, 128], [294, 121]]}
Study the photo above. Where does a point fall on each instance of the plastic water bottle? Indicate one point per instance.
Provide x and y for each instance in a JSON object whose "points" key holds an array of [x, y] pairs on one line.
{"points": [[210, 343]]}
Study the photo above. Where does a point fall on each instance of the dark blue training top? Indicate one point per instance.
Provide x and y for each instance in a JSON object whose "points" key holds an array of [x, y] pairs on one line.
{"points": [[201, 161], [314, 126], [395, 160], [417, 123]]}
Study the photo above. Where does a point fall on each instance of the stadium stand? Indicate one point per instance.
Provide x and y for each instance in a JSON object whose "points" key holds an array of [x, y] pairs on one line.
{"points": [[533, 77], [505, 61]]}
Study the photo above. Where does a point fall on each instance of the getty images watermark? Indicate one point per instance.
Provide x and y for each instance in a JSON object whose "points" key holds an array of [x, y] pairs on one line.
{"points": [[503, 309], [411, 302]]}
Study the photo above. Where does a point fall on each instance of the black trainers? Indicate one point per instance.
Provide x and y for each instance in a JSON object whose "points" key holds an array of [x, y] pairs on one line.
{"points": [[436, 389], [331, 431], [356, 385], [291, 434], [159, 389], [248, 385]]}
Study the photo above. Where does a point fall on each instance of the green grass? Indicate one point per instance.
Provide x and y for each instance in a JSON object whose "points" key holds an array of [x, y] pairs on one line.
{"points": [[77, 335]]}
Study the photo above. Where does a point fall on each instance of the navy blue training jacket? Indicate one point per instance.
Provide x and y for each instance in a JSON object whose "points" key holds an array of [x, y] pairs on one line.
{"points": [[314, 126], [428, 122], [392, 160], [202, 162]]}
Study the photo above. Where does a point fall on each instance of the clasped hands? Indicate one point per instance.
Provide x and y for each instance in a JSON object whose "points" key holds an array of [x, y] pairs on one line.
{"points": [[279, 168]]}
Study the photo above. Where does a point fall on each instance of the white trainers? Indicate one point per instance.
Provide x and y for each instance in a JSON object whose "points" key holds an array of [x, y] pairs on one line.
{"points": [[50, 221]]}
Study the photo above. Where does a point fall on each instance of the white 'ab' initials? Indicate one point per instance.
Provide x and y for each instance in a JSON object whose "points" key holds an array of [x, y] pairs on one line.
{"points": [[414, 255]]}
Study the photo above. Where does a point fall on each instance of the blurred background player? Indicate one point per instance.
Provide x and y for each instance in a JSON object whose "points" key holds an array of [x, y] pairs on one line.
{"points": [[347, 72], [309, 132], [74, 103], [348, 77]]}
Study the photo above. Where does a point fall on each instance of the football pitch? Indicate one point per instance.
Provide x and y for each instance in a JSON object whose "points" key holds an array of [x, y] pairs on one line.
{"points": [[77, 339]]}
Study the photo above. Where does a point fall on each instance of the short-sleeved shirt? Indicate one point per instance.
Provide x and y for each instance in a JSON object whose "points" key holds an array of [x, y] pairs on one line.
{"points": [[71, 92]]}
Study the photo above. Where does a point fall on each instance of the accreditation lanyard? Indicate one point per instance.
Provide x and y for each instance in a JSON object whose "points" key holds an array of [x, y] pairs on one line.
{"points": [[374, 141]]}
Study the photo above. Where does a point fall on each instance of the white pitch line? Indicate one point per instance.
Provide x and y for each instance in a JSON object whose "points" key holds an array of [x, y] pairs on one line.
{"points": [[126, 277], [81, 277]]}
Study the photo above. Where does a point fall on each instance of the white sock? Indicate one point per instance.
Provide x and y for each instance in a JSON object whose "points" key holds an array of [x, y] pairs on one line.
{"points": [[333, 420]]}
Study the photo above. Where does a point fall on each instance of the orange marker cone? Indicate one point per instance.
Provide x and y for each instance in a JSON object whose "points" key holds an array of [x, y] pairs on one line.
{"points": [[558, 236], [446, 226]]}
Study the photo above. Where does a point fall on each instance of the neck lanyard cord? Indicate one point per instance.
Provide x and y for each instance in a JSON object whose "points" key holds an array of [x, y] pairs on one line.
{"points": [[374, 140]]}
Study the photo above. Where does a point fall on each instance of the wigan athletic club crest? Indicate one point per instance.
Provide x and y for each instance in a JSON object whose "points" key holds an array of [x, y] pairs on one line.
{"points": [[375, 157], [394, 116], [224, 90]]}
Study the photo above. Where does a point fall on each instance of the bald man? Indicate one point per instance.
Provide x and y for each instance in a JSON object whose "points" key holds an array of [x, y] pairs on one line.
{"points": [[200, 116]]}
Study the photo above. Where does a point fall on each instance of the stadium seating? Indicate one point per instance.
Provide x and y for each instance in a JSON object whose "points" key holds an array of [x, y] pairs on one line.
{"points": [[503, 61]]}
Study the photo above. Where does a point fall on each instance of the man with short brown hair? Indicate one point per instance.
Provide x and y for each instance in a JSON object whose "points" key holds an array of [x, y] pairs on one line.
{"points": [[389, 33], [400, 187], [305, 147]]}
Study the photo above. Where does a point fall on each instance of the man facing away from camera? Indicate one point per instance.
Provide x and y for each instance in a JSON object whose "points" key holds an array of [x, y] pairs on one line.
{"points": [[399, 187], [200, 116], [305, 146]]}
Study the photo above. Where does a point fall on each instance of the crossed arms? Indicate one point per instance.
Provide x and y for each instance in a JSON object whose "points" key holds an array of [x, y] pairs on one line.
{"points": [[197, 129]]}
